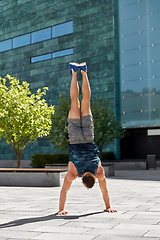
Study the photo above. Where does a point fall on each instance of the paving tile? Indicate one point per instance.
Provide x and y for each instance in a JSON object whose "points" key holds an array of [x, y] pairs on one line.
{"points": [[14, 238], [103, 237], [67, 230], [64, 236], [137, 227], [153, 233], [17, 234], [91, 225], [120, 232]]}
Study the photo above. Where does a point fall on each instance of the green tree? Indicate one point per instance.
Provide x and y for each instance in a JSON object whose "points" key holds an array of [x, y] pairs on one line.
{"points": [[107, 128], [24, 117], [59, 131]]}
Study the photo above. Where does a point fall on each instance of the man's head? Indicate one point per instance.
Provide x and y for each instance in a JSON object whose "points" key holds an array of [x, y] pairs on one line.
{"points": [[88, 179]]}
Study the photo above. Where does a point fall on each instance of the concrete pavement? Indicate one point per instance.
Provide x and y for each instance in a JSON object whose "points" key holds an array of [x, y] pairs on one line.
{"points": [[28, 213]]}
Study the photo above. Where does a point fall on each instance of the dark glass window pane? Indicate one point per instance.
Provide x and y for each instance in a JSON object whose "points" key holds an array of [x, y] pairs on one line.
{"points": [[135, 72], [124, 2], [153, 19], [133, 41], [152, 6], [135, 25], [136, 119], [62, 29], [135, 86], [62, 53], [21, 41], [133, 57], [41, 58], [153, 37], [135, 102], [41, 35], [5, 45], [132, 10]]}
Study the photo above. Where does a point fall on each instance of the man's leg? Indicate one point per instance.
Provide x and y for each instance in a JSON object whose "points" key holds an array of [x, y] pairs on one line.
{"points": [[74, 94], [86, 92], [87, 119]]}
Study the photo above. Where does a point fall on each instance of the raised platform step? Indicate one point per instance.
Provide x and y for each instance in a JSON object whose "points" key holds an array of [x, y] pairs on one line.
{"points": [[108, 168], [128, 164], [31, 170], [32, 177]]}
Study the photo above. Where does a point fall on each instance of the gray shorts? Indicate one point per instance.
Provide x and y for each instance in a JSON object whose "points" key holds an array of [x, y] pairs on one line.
{"points": [[81, 130]]}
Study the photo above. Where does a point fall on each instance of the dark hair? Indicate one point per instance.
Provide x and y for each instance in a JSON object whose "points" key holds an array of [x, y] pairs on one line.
{"points": [[89, 179]]}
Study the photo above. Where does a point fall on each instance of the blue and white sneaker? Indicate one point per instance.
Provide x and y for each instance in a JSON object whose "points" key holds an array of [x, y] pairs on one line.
{"points": [[83, 67], [73, 66]]}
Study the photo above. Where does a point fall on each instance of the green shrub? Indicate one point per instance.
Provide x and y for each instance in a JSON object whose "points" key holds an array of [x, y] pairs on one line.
{"points": [[108, 156], [39, 160]]}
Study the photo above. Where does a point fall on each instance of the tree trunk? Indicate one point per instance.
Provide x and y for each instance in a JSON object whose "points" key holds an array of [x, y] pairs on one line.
{"points": [[18, 155], [18, 161]]}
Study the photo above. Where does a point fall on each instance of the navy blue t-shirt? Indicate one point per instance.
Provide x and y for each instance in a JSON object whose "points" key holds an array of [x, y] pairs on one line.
{"points": [[85, 157]]}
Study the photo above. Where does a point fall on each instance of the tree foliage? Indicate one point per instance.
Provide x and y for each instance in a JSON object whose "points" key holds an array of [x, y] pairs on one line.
{"points": [[59, 131], [24, 117], [107, 128]]}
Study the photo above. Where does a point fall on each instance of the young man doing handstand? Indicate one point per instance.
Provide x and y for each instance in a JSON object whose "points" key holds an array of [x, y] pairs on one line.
{"points": [[84, 155]]}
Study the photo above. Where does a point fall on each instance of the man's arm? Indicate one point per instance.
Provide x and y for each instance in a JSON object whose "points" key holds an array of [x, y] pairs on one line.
{"points": [[103, 187], [65, 188]]}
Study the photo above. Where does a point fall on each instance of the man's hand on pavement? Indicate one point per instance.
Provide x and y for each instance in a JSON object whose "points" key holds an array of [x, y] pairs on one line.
{"points": [[63, 212], [110, 210]]}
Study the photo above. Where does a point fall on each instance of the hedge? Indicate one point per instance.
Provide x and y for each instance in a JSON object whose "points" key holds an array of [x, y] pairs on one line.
{"points": [[108, 156], [39, 160]]}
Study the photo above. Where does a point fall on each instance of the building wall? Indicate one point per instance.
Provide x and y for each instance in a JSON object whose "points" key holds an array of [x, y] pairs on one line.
{"points": [[92, 41]]}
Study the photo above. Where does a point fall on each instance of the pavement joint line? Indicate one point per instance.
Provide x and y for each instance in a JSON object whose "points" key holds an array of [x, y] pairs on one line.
{"points": [[147, 209], [115, 226], [125, 212], [155, 204], [96, 237], [138, 206], [133, 216], [89, 229], [65, 223], [38, 234], [145, 233]]}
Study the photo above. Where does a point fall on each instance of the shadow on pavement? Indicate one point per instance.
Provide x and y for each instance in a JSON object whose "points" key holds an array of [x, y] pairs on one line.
{"points": [[20, 222]]}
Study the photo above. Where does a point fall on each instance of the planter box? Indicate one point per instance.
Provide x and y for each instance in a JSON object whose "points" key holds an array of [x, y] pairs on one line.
{"points": [[31, 177], [108, 168], [56, 166], [13, 164], [129, 165], [151, 162]]}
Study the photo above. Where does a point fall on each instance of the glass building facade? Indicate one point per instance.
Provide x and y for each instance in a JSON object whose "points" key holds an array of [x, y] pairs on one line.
{"points": [[139, 47], [139, 36]]}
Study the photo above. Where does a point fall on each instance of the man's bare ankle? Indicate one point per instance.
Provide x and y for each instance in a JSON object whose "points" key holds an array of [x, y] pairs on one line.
{"points": [[73, 72], [83, 72]]}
